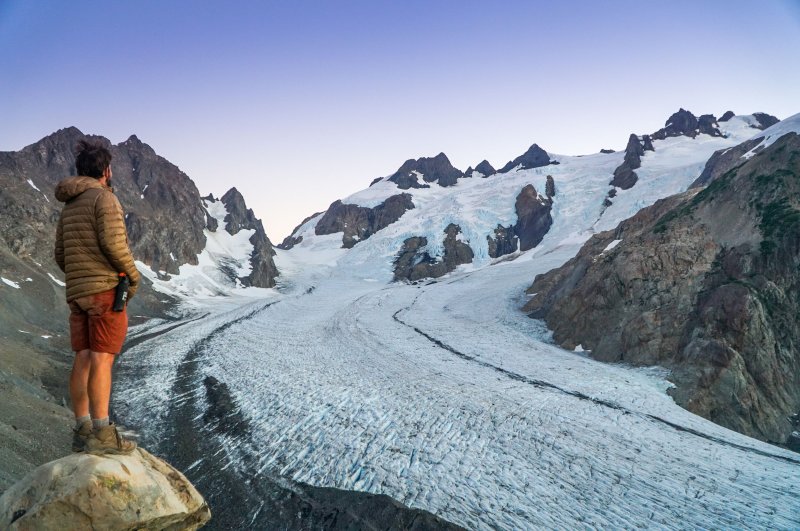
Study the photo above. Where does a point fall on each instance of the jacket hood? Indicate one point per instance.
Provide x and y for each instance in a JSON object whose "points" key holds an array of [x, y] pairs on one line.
{"points": [[72, 187]]}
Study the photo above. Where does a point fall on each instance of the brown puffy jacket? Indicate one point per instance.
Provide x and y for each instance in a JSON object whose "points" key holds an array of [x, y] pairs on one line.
{"points": [[91, 242]]}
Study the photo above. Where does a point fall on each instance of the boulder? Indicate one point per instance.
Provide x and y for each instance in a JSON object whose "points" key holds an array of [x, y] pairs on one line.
{"points": [[607, 151], [84, 491]]}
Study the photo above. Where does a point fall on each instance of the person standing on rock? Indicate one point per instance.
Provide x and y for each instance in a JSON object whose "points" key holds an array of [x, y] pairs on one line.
{"points": [[92, 250]]}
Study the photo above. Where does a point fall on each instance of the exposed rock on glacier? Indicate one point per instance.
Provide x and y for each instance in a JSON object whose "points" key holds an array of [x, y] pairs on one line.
{"points": [[359, 223], [535, 157], [84, 491], [414, 262], [432, 169]]}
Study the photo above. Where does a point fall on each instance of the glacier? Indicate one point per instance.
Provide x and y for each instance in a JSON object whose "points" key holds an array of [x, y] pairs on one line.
{"points": [[441, 393]]}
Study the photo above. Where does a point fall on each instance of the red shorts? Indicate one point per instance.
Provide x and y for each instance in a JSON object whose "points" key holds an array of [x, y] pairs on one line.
{"points": [[95, 326]]}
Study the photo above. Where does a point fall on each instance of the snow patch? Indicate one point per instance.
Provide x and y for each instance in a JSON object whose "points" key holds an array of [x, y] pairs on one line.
{"points": [[10, 283], [54, 279]]}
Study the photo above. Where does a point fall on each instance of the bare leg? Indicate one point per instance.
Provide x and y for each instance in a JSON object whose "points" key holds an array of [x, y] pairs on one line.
{"points": [[100, 383], [78, 382]]}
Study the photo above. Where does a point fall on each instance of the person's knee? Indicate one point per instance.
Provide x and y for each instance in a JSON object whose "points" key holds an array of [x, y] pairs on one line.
{"points": [[102, 359], [82, 361]]}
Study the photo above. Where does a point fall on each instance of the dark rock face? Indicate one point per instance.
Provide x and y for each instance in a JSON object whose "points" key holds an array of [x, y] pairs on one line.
{"points": [[376, 180], [415, 263], [211, 222], [485, 168], [682, 123], [647, 143], [607, 151], [164, 213], [436, 169], [624, 176], [764, 120], [707, 125], [533, 217], [240, 217], [723, 161], [359, 223], [535, 157], [550, 187], [727, 116], [704, 283], [505, 241]]}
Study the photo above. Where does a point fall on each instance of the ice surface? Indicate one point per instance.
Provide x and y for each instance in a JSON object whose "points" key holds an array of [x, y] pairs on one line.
{"points": [[446, 397]]}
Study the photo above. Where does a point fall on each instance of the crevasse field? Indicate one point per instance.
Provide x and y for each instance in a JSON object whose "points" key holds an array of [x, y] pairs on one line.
{"points": [[444, 395]]}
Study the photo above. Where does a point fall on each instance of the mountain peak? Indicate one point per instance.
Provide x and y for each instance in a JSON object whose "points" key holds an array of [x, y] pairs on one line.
{"points": [[432, 169], [534, 157]]}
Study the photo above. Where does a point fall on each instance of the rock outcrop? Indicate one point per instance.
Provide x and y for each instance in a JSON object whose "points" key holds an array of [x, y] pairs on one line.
{"points": [[483, 168], [625, 176], [432, 169], [505, 241], [724, 160], [83, 491], [240, 217], [704, 283], [359, 223], [535, 157], [533, 217], [414, 262], [727, 116], [764, 120]]}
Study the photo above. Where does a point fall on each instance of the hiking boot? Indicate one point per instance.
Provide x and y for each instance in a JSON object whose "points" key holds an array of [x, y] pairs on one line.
{"points": [[79, 436], [107, 440]]}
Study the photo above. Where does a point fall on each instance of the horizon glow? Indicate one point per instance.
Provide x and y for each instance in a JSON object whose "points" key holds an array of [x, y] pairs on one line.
{"points": [[298, 104]]}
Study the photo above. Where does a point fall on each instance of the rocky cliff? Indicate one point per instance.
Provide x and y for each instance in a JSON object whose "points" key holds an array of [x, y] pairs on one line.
{"points": [[359, 223], [165, 217], [263, 272], [704, 283], [432, 169]]}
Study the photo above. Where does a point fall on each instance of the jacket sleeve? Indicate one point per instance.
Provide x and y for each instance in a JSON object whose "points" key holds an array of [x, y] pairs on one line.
{"points": [[113, 238], [59, 249]]}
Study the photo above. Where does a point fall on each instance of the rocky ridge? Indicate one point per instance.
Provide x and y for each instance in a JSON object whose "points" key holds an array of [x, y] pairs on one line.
{"points": [[358, 223], [704, 283]]}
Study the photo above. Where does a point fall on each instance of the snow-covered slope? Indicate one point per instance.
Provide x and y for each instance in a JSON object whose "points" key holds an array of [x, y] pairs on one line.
{"points": [[478, 205], [442, 394], [222, 264]]}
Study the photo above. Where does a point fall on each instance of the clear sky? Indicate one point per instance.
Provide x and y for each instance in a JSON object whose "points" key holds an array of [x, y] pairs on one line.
{"points": [[298, 103]]}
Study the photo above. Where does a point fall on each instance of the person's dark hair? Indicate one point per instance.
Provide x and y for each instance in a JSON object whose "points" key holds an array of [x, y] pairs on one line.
{"points": [[91, 159]]}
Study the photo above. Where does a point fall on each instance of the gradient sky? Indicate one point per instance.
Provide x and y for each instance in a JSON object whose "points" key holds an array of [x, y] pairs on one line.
{"points": [[298, 103]]}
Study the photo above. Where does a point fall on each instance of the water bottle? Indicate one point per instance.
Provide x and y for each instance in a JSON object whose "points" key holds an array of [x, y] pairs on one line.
{"points": [[121, 296]]}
